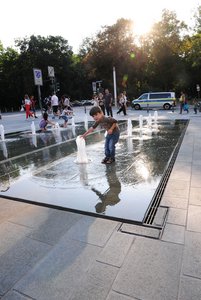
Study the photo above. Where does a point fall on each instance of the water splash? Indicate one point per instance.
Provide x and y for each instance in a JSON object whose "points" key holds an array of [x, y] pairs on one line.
{"points": [[2, 133], [86, 122], [33, 128], [140, 122], [81, 151], [129, 127]]}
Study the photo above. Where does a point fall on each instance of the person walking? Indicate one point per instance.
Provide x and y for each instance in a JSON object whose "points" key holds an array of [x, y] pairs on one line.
{"points": [[101, 102], [182, 101], [54, 105], [122, 104], [108, 102], [33, 106], [27, 103], [113, 132]]}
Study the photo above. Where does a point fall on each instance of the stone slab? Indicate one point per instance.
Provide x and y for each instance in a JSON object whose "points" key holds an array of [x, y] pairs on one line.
{"points": [[18, 254], [195, 196], [116, 249], [140, 230], [92, 230], [175, 202], [59, 274], [97, 283], [177, 189], [13, 295], [194, 218], [10, 208], [177, 216], [151, 271], [116, 296], [190, 289], [174, 233], [192, 255]]}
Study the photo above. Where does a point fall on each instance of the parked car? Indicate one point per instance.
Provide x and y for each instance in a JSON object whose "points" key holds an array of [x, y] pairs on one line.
{"points": [[76, 103], [87, 102], [163, 100]]}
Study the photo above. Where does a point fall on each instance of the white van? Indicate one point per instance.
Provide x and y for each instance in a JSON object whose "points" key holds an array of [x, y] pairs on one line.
{"points": [[159, 100]]}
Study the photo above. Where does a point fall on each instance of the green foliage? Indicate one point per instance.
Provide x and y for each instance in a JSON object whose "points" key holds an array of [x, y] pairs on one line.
{"points": [[168, 58]]}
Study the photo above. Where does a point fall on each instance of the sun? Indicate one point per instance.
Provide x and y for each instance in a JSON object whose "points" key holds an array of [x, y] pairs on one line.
{"points": [[142, 26]]}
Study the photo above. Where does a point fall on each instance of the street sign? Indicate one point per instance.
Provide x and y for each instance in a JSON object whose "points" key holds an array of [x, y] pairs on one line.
{"points": [[50, 71], [38, 77]]}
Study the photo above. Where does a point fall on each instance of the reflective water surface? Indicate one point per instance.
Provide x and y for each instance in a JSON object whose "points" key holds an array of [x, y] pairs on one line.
{"points": [[42, 168]]}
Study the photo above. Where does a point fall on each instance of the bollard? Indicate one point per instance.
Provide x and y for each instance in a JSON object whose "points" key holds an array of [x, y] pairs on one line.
{"points": [[147, 108]]}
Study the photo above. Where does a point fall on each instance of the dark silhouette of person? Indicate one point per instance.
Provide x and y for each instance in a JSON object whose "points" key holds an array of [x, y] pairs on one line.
{"points": [[111, 195]]}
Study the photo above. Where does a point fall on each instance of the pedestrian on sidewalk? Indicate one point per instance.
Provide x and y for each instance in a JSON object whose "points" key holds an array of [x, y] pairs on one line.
{"points": [[27, 103], [108, 102], [122, 104], [33, 106], [113, 132]]}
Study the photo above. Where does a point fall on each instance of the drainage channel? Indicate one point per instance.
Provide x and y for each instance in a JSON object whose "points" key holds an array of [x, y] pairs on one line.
{"points": [[150, 227]]}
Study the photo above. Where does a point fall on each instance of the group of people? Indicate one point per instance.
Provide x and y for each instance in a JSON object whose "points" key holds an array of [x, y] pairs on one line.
{"points": [[62, 109], [105, 101], [183, 104], [29, 105]]}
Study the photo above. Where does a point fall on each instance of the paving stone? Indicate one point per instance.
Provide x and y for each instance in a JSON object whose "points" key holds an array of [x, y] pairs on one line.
{"points": [[177, 216], [92, 230], [151, 270], [116, 296], [196, 176], [160, 216], [59, 274], [181, 169], [177, 189], [97, 283], [13, 295], [41, 219], [190, 289], [116, 249], [195, 196], [140, 230], [18, 254], [175, 202], [174, 233], [194, 218], [192, 255], [10, 208]]}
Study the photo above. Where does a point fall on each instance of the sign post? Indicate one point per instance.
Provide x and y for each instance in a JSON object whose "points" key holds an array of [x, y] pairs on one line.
{"points": [[38, 80]]}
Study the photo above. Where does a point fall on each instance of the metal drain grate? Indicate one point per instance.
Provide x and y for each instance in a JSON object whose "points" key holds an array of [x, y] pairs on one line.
{"points": [[154, 204]]}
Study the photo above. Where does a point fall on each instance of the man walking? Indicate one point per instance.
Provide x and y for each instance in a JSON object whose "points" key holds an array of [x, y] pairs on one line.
{"points": [[108, 102]]}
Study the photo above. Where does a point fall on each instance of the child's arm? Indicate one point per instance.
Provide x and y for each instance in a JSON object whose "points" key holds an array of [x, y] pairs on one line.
{"points": [[49, 122], [110, 131], [90, 130]]}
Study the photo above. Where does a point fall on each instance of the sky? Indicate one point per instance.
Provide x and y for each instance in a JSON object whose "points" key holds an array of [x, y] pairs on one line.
{"points": [[75, 20]]}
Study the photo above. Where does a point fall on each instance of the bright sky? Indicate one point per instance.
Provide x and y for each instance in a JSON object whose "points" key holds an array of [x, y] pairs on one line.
{"points": [[75, 20]]}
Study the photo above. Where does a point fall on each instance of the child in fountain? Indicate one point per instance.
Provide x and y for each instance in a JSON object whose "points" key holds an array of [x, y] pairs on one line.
{"points": [[113, 132], [66, 115], [44, 122]]}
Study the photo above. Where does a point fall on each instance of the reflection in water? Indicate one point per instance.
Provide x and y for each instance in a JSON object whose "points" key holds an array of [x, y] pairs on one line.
{"points": [[83, 174], [111, 195], [5, 183], [4, 148]]}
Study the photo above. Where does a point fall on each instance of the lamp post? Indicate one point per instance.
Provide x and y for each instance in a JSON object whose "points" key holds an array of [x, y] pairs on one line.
{"points": [[115, 86]]}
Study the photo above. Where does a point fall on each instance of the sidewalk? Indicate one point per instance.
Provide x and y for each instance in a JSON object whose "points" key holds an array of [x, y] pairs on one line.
{"points": [[48, 254]]}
